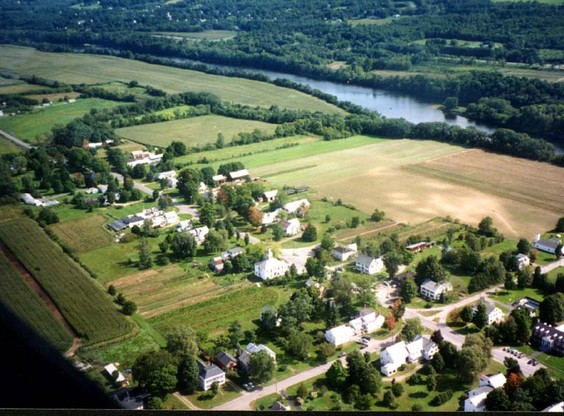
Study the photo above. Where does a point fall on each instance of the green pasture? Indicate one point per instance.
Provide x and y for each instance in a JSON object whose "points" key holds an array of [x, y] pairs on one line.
{"points": [[90, 69], [19, 297], [192, 131], [31, 126]]}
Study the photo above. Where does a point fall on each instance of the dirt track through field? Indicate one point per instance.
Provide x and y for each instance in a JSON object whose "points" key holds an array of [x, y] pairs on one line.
{"points": [[36, 287]]}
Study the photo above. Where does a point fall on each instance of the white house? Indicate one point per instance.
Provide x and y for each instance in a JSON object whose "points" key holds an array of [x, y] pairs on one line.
{"points": [[400, 353], [393, 358], [140, 157], [369, 265], [432, 290], [295, 206], [548, 246], [339, 335], [200, 233], [253, 348], [169, 175], [210, 374], [421, 347], [522, 260], [356, 325], [269, 196], [495, 381], [372, 323], [219, 179], [476, 401], [271, 267], [291, 227], [110, 370], [165, 220], [240, 175], [270, 217], [344, 253], [494, 314], [184, 225]]}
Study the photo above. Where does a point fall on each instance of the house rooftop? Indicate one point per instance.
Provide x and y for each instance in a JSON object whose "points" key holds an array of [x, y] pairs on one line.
{"points": [[209, 371], [225, 358]]}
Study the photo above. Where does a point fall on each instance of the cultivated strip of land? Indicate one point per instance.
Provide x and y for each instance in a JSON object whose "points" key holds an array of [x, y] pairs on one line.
{"points": [[84, 305], [22, 294]]}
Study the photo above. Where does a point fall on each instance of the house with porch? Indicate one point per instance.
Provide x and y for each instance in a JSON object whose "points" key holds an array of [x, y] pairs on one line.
{"points": [[291, 227], [369, 265], [209, 374], [432, 290]]}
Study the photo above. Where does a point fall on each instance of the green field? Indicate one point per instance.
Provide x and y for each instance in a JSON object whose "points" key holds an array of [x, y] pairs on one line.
{"points": [[192, 131], [84, 305], [29, 126], [7, 146], [84, 234], [89, 69], [20, 87], [215, 315], [18, 296]]}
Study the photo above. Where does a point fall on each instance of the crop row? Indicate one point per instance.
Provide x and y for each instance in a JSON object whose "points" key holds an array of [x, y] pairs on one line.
{"points": [[20, 298], [85, 306]]}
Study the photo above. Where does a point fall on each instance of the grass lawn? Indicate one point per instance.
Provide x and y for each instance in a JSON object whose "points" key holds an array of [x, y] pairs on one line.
{"points": [[553, 274], [173, 403], [510, 296], [14, 86], [89, 69], [30, 126], [192, 131], [203, 400], [555, 364]]}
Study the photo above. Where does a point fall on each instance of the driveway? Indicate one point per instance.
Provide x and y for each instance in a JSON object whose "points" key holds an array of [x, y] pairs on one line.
{"points": [[137, 185], [297, 256]]}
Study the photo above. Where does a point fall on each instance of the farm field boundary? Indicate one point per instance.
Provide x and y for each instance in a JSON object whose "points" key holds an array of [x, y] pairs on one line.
{"points": [[84, 234], [87, 309]]}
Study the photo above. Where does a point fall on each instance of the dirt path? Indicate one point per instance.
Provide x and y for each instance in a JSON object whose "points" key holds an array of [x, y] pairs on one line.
{"points": [[187, 402], [36, 287], [376, 230]]}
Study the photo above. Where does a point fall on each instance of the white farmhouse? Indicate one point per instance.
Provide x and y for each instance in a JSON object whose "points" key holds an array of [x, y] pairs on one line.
{"points": [[210, 374], [476, 401], [339, 335], [253, 348], [269, 196], [432, 290], [270, 217], [295, 206], [369, 265], [493, 313], [400, 353], [291, 227], [200, 233], [393, 358], [271, 267], [111, 370], [344, 253]]}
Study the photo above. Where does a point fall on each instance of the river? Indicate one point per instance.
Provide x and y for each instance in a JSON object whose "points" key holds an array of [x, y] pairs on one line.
{"points": [[388, 104]]}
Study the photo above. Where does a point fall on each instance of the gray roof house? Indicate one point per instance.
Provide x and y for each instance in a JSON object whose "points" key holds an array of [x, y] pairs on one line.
{"points": [[209, 374], [231, 253], [243, 360]]}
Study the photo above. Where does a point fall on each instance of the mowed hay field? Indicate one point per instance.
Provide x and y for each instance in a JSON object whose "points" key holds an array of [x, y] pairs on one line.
{"points": [[192, 131], [80, 68], [31, 125], [84, 305], [215, 315], [84, 234], [158, 291], [19, 297], [380, 176]]}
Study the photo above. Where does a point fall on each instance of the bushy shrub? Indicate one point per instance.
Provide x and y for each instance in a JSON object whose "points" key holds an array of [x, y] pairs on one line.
{"points": [[442, 398]]}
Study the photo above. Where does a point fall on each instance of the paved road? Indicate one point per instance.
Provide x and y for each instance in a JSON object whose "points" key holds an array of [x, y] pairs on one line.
{"points": [[15, 140], [186, 209], [552, 266]]}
